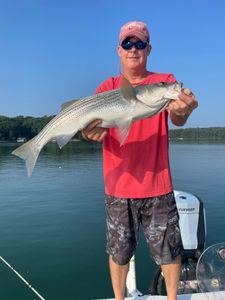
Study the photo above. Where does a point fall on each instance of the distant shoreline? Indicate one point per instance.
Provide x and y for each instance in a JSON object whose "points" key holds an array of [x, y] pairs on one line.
{"points": [[14, 129], [171, 140]]}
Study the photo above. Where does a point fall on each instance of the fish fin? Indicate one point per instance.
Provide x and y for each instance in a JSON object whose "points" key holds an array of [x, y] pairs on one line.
{"points": [[145, 91], [62, 140], [68, 103], [123, 129], [28, 152], [127, 90]]}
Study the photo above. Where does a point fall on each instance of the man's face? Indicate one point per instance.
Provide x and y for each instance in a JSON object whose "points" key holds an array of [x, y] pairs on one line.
{"points": [[134, 58]]}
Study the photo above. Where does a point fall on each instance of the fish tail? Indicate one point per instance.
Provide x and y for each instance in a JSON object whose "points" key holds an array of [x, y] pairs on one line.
{"points": [[28, 152]]}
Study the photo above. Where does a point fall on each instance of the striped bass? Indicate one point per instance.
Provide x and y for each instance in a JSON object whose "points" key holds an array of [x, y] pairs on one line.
{"points": [[116, 108]]}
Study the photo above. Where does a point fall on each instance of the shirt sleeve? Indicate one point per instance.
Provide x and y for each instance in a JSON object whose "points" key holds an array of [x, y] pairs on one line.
{"points": [[171, 78], [105, 86]]}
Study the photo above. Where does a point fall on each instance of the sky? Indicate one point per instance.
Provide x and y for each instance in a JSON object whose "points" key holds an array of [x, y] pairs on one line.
{"points": [[55, 51]]}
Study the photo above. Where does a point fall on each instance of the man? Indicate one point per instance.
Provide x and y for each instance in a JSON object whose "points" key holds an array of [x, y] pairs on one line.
{"points": [[137, 176]]}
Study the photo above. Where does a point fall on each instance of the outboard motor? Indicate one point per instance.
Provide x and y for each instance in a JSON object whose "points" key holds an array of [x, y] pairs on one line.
{"points": [[193, 233], [192, 224]]}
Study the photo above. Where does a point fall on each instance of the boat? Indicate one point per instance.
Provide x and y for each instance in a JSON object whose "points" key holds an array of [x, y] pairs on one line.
{"points": [[200, 296], [21, 140], [196, 281]]}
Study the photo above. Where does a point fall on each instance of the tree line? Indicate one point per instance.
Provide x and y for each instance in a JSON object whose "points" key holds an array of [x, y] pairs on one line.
{"points": [[198, 134], [21, 127], [27, 127]]}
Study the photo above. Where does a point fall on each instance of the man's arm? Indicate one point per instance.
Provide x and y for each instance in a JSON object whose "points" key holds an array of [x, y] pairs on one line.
{"points": [[179, 110]]}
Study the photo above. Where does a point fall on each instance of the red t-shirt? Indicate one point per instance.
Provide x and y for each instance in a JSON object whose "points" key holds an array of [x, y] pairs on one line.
{"points": [[140, 167]]}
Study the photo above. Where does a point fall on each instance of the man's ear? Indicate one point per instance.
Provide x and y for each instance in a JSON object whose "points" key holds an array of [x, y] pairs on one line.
{"points": [[119, 50], [149, 49]]}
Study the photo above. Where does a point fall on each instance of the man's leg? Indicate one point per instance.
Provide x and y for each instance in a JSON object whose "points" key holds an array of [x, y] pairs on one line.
{"points": [[118, 277], [161, 228], [122, 235], [171, 274]]}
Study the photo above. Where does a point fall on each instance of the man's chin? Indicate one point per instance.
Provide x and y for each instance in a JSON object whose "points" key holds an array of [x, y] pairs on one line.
{"points": [[133, 63]]}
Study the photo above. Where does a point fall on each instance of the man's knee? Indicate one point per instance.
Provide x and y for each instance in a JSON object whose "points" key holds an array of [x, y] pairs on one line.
{"points": [[122, 258]]}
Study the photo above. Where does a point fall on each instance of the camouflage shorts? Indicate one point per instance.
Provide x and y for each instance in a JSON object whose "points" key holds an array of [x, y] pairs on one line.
{"points": [[159, 219]]}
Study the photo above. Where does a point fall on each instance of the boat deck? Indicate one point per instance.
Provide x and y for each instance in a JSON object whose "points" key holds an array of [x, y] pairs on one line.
{"points": [[200, 296]]}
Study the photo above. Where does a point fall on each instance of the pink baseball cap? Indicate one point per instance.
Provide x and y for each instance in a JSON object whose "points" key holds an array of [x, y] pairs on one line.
{"points": [[138, 29]]}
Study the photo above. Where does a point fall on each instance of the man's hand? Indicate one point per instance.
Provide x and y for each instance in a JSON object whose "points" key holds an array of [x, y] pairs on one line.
{"points": [[94, 133], [179, 110]]}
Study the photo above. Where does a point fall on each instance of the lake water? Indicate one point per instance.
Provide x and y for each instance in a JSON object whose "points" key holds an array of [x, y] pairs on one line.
{"points": [[52, 225]]}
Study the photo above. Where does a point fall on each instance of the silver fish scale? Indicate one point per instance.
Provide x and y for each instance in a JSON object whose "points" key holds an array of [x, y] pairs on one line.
{"points": [[112, 99]]}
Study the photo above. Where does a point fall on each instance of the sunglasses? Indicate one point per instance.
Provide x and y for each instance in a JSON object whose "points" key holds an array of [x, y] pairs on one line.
{"points": [[139, 45]]}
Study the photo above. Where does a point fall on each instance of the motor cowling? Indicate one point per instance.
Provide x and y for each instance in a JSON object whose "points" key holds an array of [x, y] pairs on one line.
{"points": [[192, 223]]}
